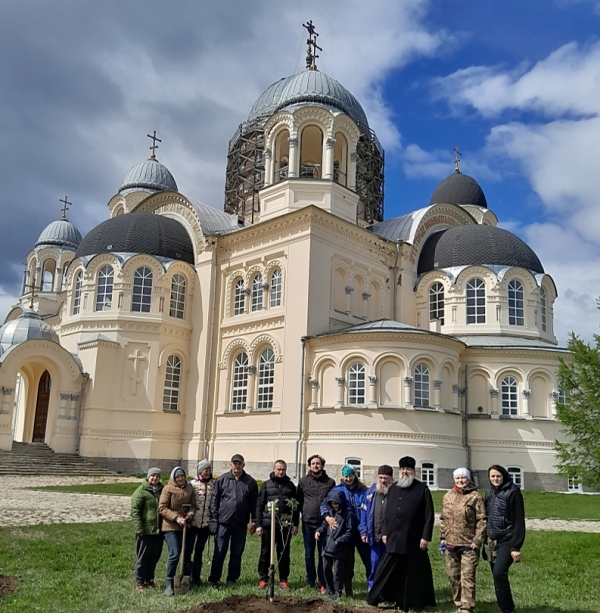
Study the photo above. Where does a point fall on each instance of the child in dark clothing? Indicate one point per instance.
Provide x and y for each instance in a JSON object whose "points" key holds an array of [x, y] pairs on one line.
{"points": [[339, 535]]}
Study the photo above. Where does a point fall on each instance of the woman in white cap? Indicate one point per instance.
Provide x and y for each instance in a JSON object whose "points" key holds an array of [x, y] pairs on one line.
{"points": [[203, 486], [462, 533]]}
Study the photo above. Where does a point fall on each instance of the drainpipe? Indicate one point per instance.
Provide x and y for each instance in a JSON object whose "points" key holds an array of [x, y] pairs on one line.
{"points": [[210, 348], [395, 292], [466, 417], [84, 383], [301, 420]]}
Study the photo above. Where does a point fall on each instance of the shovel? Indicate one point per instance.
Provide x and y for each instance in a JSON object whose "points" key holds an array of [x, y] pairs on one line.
{"points": [[181, 583]]}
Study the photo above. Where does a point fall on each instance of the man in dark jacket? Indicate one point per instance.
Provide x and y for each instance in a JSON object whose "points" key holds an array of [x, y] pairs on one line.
{"points": [[233, 504], [404, 574], [312, 490], [280, 488]]}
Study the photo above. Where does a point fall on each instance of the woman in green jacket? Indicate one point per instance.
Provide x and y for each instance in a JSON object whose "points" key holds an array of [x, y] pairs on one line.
{"points": [[146, 522]]}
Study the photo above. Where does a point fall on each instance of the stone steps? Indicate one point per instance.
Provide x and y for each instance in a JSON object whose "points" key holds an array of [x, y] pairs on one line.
{"points": [[39, 459]]}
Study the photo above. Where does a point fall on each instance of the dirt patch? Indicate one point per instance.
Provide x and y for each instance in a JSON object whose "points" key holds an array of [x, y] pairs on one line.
{"points": [[281, 604], [7, 585]]}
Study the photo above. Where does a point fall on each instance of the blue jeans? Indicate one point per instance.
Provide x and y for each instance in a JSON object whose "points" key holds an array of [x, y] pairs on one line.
{"points": [[310, 544], [174, 540], [226, 534]]}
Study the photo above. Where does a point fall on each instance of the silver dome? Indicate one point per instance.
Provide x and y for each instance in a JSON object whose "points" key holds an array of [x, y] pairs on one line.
{"points": [[62, 234], [267, 103], [27, 327], [150, 175]]}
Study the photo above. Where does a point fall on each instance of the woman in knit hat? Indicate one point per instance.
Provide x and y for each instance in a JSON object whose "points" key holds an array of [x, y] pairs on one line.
{"points": [[146, 522], [203, 486]]}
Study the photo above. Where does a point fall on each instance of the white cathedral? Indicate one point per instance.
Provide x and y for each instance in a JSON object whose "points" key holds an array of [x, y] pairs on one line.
{"points": [[296, 321]]}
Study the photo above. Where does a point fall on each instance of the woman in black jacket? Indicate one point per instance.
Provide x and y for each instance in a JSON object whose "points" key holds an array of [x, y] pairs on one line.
{"points": [[505, 531]]}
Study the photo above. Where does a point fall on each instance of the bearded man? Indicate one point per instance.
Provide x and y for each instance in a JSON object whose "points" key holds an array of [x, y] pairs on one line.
{"points": [[404, 574], [371, 525]]}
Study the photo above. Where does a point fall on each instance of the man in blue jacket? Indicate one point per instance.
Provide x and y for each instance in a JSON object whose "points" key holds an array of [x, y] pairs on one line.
{"points": [[372, 524], [233, 504]]}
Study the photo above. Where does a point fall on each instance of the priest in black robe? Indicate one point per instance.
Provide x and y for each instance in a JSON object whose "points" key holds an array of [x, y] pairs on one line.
{"points": [[404, 575]]}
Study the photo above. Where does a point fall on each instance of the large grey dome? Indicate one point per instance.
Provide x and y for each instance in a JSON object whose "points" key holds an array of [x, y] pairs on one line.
{"points": [[459, 189], [150, 175], [62, 234], [474, 245], [27, 327], [139, 233], [267, 102]]}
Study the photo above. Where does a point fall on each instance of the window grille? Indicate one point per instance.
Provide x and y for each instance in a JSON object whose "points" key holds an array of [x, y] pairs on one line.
{"points": [[104, 289], [240, 382], [172, 384], [515, 304], [177, 302], [421, 382], [476, 301], [77, 293], [510, 396], [239, 298], [356, 384], [276, 283], [266, 378], [429, 474], [142, 290], [436, 302], [257, 293]]}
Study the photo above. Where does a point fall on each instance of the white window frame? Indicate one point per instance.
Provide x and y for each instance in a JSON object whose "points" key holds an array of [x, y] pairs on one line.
{"points": [[239, 297], [266, 380], [257, 294], [276, 287], [519, 473], [516, 309], [172, 388], [429, 474], [141, 296], [422, 390], [104, 288], [357, 384], [357, 465], [177, 300], [475, 293], [436, 302], [77, 293], [574, 485], [509, 398], [239, 383]]}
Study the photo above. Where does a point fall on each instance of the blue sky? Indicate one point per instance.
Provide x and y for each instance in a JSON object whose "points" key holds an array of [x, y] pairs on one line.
{"points": [[515, 84]]}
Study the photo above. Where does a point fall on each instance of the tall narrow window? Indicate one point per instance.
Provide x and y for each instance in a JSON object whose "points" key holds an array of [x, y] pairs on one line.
{"points": [[177, 303], [475, 301], [266, 378], [77, 293], [515, 304], [172, 384], [142, 290], [311, 153], [104, 289], [543, 308], [257, 293], [239, 389], [436, 302], [282, 156], [356, 384], [276, 278], [239, 298], [421, 385], [510, 396], [428, 474], [340, 159]]}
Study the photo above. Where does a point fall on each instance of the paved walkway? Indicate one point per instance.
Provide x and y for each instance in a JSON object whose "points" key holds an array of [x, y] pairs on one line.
{"points": [[22, 506]]}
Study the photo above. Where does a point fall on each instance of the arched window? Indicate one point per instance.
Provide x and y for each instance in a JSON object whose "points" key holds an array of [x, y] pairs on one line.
{"points": [[239, 389], [257, 293], [436, 302], [276, 279], [311, 153], [340, 159], [543, 309], [47, 281], [77, 293], [357, 464], [356, 384], [104, 290], [429, 474], [266, 377], [421, 385], [142, 290], [282, 156], [515, 303], [510, 396], [177, 303], [172, 384], [475, 301], [516, 472], [239, 298]]}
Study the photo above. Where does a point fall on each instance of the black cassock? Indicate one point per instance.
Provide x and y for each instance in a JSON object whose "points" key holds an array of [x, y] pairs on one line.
{"points": [[404, 574]]}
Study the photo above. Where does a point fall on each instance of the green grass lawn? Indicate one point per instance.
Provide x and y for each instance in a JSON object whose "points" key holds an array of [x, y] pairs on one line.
{"points": [[89, 568], [542, 505]]}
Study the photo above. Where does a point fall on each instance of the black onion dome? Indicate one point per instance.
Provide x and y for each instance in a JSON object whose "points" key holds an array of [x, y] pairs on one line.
{"points": [[459, 189], [139, 233], [474, 245]]}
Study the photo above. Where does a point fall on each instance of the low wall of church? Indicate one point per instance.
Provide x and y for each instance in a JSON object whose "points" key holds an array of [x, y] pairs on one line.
{"points": [[132, 466]]}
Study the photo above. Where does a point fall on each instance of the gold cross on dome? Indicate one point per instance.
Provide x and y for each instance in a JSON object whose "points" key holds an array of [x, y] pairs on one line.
{"points": [[457, 157], [154, 146], [65, 207]]}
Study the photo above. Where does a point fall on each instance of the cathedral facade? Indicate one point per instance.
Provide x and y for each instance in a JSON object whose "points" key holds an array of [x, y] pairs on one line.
{"points": [[298, 320]]}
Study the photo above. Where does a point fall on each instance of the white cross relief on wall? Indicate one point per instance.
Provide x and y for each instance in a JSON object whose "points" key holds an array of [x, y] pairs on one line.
{"points": [[135, 377]]}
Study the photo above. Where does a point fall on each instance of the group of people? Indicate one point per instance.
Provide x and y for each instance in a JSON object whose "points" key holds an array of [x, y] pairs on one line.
{"points": [[389, 525]]}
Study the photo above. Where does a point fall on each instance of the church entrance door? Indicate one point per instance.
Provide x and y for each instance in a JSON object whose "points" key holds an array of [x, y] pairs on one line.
{"points": [[41, 408]]}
